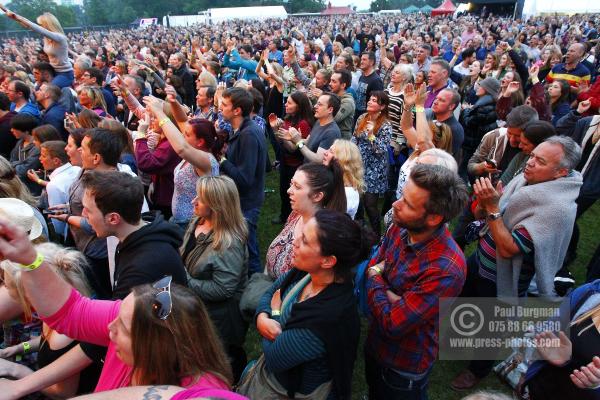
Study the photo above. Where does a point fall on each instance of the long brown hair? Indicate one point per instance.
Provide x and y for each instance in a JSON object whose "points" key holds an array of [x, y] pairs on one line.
{"points": [[382, 100], [184, 345]]}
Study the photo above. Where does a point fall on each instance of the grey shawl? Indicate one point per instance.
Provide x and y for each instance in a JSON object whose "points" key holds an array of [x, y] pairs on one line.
{"points": [[547, 210]]}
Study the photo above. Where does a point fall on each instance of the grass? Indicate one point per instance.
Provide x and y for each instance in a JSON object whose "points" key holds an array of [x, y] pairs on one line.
{"points": [[443, 371]]}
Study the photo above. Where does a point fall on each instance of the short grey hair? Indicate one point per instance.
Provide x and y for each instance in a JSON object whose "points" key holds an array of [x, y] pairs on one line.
{"points": [[520, 116], [441, 158], [406, 71], [83, 62], [571, 151]]}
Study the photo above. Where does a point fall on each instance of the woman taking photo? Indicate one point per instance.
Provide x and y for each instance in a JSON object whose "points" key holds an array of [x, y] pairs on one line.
{"points": [[314, 186], [300, 116], [308, 319], [372, 135], [56, 45], [147, 334], [215, 255], [347, 155]]}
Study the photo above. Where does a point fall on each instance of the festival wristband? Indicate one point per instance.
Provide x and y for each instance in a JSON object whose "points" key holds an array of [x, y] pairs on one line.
{"points": [[39, 259], [419, 109], [275, 313], [163, 121], [26, 347]]}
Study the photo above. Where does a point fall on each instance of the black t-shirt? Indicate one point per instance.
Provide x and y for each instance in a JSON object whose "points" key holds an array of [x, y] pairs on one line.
{"points": [[509, 153]]}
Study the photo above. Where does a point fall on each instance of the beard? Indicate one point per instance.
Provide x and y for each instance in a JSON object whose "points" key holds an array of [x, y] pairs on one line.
{"points": [[416, 226]]}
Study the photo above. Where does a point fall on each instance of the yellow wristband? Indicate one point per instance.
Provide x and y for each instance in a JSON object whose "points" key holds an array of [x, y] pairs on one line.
{"points": [[419, 109], [376, 269], [39, 181], [39, 259], [163, 121], [275, 313], [26, 347]]}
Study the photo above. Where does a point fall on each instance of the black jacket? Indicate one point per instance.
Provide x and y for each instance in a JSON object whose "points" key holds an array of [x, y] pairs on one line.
{"points": [[188, 85], [147, 255], [478, 120]]}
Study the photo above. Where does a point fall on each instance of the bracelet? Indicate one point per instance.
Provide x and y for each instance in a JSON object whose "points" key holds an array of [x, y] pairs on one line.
{"points": [[39, 259], [163, 121], [223, 159], [419, 109], [376, 269], [26, 347], [275, 313]]}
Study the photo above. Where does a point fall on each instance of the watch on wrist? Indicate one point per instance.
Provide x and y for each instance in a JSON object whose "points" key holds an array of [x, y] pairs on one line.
{"points": [[300, 145], [494, 216]]}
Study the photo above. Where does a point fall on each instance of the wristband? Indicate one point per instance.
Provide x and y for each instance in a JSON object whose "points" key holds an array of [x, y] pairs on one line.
{"points": [[39, 259], [163, 121], [376, 269], [275, 313], [419, 109], [26, 347], [300, 144], [39, 181], [222, 160]]}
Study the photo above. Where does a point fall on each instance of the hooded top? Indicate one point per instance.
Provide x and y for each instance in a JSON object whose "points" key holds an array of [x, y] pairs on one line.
{"points": [[147, 255]]}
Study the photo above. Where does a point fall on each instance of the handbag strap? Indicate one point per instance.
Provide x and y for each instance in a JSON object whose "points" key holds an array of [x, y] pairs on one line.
{"points": [[293, 293]]}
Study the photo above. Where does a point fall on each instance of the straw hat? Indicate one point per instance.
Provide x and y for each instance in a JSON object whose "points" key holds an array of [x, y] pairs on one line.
{"points": [[21, 213]]}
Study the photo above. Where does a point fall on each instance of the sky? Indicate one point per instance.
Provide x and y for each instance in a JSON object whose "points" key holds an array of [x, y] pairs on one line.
{"points": [[360, 4]]}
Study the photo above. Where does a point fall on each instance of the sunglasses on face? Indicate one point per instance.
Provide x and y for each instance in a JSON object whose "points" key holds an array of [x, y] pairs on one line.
{"points": [[162, 305]]}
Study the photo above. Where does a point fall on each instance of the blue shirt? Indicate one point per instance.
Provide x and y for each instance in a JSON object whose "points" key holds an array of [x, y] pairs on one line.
{"points": [[28, 108]]}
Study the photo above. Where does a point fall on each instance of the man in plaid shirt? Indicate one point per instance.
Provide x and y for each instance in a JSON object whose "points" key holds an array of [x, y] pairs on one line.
{"points": [[418, 262]]}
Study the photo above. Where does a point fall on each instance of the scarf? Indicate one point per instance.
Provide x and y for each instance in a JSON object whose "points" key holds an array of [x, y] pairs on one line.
{"points": [[547, 210]]}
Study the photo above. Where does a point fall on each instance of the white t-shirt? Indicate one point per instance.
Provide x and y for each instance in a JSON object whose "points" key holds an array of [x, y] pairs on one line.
{"points": [[352, 200]]}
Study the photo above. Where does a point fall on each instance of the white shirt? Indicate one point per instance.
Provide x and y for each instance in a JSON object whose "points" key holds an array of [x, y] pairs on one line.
{"points": [[352, 200], [57, 189]]}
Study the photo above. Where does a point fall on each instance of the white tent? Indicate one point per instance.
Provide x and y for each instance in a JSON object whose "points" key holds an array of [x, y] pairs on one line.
{"points": [[536, 7]]}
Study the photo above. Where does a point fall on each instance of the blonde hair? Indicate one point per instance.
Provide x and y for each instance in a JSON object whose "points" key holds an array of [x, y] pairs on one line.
{"points": [[207, 79], [96, 96], [69, 264], [11, 185], [50, 22], [220, 194], [442, 136], [348, 156]]}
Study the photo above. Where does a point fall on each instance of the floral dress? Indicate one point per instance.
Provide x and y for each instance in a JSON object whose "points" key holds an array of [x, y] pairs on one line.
{"points": [[373, 150]]}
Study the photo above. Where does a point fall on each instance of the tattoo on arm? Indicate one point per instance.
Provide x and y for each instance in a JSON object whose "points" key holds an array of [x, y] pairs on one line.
{"points": [[153, 392]]}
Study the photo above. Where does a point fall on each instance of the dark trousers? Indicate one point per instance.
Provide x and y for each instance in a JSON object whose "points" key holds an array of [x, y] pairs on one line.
{"points": [[583, 203], [251, 217], [238, 360], [386, 384], [476, 286], [370, 204], [286, 173]]}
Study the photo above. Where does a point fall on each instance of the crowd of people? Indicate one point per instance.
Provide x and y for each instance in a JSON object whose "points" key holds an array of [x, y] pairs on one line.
{"points": [[132, 177]]}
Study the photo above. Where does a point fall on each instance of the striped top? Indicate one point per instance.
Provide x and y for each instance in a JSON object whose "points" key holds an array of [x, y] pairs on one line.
{"points": [[395, 108], [294, 347], [486, 258], [575, 76]]}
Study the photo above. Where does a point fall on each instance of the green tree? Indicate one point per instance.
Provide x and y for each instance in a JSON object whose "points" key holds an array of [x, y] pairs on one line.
{"points": [[378, 5], [95, 11]]}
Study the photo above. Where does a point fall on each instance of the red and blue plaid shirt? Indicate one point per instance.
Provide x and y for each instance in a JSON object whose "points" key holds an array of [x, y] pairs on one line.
{"points": [[403, 334]]}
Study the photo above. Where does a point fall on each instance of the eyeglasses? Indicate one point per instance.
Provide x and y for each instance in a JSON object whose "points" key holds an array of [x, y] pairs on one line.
{"points": [[163, 304]]}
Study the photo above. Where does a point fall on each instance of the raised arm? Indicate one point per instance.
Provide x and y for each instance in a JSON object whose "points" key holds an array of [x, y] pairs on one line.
{"points": [[41, 283], [198, 158], [406, 122], [57, 37]]}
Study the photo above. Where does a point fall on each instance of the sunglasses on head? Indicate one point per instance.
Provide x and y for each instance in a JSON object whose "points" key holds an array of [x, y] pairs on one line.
{"points": [[163, 304]]}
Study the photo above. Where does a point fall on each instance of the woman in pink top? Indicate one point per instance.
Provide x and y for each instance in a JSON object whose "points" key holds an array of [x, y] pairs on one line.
{"points": [[158, 335]]}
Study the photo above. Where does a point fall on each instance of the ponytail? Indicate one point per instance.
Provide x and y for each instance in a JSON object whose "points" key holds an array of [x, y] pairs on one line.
{"points": [[328, 180]]}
